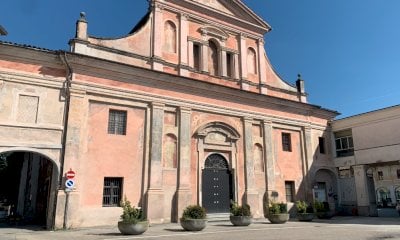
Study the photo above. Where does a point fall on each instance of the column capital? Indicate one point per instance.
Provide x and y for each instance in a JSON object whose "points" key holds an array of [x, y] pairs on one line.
{"points": [[184, 16], [247, 119], [184, 109], [157, 105]]}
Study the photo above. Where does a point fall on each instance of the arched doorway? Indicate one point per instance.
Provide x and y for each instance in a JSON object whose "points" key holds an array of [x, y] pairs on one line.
{"points": [[27, 188], [217, 187], [325, 187]]}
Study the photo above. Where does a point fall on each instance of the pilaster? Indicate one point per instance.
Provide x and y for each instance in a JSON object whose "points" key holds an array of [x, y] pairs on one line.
{"points": [[269, 159], [261, 66], [204, 58], [184, 194], [251, 194], [360, 178], [155, 193], [243, 56], [183, 44], [158, 36], [307, 161]]}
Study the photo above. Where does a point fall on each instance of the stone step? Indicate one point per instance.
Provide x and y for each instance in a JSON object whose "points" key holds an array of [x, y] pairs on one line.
{"points": [[218, 217]]}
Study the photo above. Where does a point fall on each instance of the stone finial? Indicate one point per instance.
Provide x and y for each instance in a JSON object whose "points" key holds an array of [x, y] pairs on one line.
{"points": [[82, 16]]}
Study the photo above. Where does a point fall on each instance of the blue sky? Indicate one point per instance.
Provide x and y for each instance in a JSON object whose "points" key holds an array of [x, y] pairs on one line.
{"points": [[348, 52]]}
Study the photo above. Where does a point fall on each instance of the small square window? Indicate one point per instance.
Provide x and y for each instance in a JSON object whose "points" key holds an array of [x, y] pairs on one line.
{"points": [[112, 191], [117, 122], [321, 144], [289, 190], [286, 142]]}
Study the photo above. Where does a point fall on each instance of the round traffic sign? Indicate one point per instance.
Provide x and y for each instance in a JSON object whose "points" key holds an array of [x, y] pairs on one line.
{"points": [[69, 184], [70, 174]]}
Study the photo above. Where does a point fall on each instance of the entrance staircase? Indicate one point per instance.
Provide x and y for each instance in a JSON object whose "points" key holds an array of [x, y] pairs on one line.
{"points": [[218, 217]]}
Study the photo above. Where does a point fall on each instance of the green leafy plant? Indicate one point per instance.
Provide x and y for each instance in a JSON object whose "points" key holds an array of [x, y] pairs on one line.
{"points": [[194, 212], [240, 210], [130, 214], [301, 207], [277, 208], [320, 207]]}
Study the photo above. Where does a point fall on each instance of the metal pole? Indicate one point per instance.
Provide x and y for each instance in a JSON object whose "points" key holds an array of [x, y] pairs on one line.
{"points": [[65, 223]]}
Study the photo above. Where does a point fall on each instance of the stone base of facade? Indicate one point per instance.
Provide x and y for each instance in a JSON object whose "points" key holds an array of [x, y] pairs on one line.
{"points": [[155, 206], [252, 198], [183, 197], [363, 211]]}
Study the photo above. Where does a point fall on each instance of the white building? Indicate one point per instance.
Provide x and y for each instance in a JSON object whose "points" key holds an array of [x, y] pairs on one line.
{"points": [[368, 160]]}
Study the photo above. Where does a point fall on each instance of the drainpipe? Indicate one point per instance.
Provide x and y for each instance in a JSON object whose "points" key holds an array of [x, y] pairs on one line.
{"points": [[66, 88]]}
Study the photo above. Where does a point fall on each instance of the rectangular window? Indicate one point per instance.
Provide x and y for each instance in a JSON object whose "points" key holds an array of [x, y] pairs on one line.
{"points": [[380, 175], [344, 143], [229, 65], [196, 57], [286, 142], [112, 192], [117, 122], [321, 144], [289, 189], [398, 173]]}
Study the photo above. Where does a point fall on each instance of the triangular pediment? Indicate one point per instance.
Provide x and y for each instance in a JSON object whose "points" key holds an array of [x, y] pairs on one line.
{"points": [[215, 4], [232, 8]]}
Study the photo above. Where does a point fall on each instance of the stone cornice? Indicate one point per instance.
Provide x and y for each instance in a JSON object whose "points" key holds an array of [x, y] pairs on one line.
{"points": [[112, 70]]}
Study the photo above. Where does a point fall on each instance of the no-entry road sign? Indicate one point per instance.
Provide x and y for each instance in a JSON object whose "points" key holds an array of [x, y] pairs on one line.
{"points": [[70, 174]]}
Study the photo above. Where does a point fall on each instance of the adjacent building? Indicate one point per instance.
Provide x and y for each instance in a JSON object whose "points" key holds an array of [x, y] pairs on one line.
{"points": [[185, 109], [368, 161]]}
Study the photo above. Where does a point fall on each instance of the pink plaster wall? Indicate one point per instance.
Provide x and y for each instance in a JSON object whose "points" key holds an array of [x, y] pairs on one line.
{"points": [[111, 155], [288, 165], [37, 69]]}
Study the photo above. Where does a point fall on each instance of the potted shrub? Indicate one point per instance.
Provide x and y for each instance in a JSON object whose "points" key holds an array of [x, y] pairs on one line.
{"points": [[240, 215], [278, 213], [132, 220], [194, 218], [322, 210], [305, 212]]}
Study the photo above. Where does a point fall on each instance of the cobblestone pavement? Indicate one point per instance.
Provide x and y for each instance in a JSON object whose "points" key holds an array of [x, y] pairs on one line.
{"points": [[349, 228]]}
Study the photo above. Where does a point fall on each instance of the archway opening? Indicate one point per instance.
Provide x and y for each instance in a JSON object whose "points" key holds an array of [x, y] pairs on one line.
{"points": [[217, 187], [27, 183]]}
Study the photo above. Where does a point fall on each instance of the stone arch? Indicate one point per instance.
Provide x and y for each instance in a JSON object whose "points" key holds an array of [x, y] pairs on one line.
{"points": [[212, 31], [251, 60], [170, 151], [231, 133], [35, 191], [170, 37], [383, 196], [325, 186]]}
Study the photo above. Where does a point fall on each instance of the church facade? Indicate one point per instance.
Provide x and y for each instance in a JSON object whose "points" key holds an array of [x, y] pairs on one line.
{"points": [[185, 109]]}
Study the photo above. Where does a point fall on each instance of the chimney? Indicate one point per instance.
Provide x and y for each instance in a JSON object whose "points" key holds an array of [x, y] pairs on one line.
{"points": [[81, 27], [301, 89]]}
